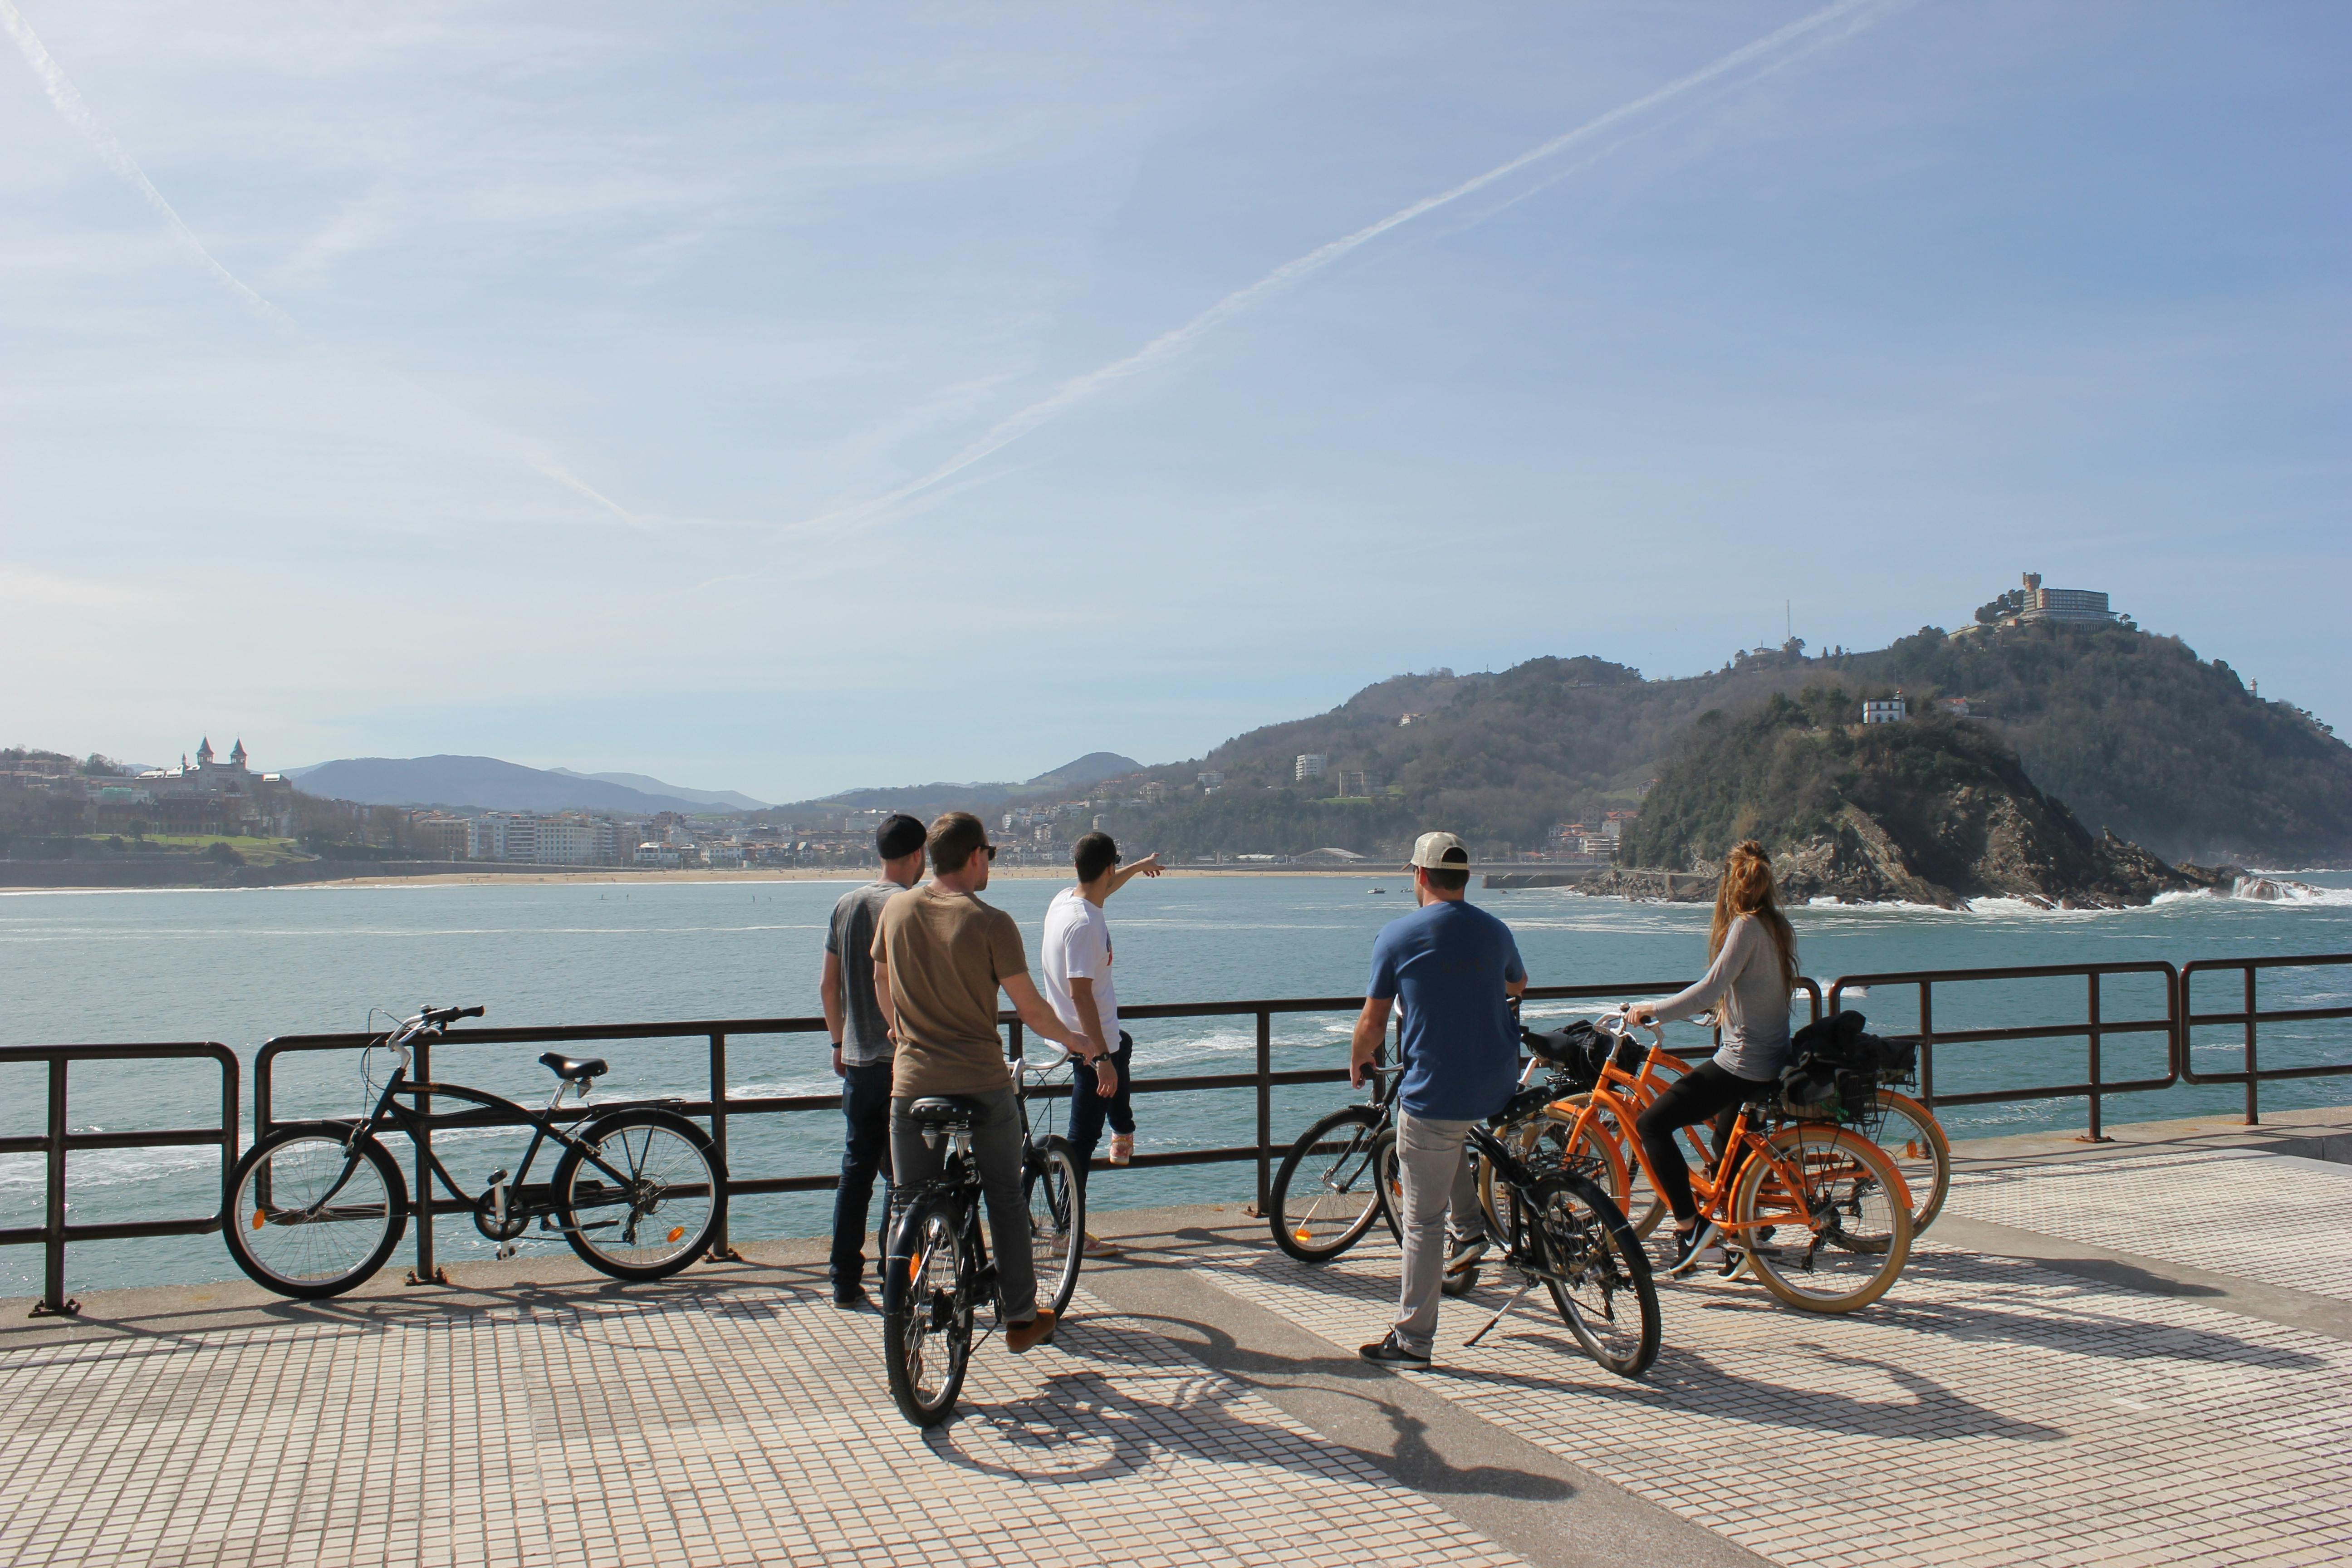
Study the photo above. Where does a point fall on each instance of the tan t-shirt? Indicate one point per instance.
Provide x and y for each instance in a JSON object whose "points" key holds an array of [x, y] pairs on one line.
{"points": [[949, 953]]}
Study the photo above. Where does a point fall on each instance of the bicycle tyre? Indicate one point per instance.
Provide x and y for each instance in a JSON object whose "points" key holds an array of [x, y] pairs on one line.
{"points": [[1921, 1152], [1539, 1142], [1587, 1241], [673, 1166], [305, 1159], [1317, 1219], [1055, 1196], [927, 1286], [1839, 1168]]}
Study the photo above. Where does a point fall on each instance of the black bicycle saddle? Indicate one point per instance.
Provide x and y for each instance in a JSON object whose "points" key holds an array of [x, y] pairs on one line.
{"points": [[942, 1113], [574, 1068]]}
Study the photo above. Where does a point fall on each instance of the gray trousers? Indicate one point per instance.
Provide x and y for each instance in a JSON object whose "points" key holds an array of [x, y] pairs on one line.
{"points": [[997, 1139], [1438, 1176]]}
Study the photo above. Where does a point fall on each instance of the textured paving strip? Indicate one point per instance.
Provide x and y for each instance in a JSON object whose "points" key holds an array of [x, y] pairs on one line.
{"points": [[2275, 1218], [1987, 1410], [672, 1425]]}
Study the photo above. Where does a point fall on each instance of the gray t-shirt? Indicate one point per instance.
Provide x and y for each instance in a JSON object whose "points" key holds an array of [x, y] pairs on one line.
{"points": [[850, 938]]}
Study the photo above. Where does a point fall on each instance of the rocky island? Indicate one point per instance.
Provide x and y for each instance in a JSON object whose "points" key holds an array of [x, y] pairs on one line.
{"points": [[1932, 809]]}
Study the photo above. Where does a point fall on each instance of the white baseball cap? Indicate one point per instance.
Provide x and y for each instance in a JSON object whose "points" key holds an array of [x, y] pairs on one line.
{"points": [[1439, 852]]}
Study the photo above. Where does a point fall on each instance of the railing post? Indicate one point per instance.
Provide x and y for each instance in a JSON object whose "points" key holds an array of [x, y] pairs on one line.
{"points": [[421, 1201], [2094, 1135], [721, 1251], [2253, 1089], [53, 1301], [1928, 1043], [1264, 1109]]}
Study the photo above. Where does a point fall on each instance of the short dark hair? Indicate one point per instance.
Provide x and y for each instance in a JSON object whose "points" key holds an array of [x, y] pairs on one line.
{"points": [[1093, 854], [899, 834], [1446, 881], [956, 836]]}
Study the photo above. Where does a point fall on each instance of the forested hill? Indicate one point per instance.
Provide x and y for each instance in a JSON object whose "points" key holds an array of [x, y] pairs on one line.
{"points": [[2131, 730]]}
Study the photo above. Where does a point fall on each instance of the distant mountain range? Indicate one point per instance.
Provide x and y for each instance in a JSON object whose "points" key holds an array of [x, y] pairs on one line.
{"points": [[487, 783]]}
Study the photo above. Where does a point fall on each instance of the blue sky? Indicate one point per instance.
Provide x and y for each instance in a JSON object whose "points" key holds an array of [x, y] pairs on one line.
{"points": [[614, 386]]}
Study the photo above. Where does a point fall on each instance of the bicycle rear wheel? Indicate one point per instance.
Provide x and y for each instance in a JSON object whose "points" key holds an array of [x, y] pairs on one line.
{"points": [[1542, 1143], [927, 1288], [1326, 1193], [1839, 1181], [660, 1214], [1057, 1221], [1914, 1141], [1598, 1275], [309, 1216]]}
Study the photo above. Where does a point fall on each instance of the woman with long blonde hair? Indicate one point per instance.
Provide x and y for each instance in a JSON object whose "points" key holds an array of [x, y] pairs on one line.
{"points": [[1752, 970]]}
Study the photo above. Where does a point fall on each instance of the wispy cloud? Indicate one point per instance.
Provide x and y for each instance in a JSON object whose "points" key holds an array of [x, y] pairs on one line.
{"points": [[1767, 52]]}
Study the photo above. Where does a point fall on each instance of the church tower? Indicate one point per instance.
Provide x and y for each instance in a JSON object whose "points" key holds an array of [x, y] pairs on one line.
{"points": [[205, 753], [237, 755]]}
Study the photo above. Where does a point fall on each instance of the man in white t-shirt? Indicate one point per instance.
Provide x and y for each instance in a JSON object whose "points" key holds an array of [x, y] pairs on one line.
{"points": [[1076, 952]]}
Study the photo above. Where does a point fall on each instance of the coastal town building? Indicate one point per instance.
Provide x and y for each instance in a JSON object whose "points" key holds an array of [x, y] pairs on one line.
{"points": [[1892, 710], [1210, 780], [211, 796], [1309, 765], [2043, 604], [1355, 783]]}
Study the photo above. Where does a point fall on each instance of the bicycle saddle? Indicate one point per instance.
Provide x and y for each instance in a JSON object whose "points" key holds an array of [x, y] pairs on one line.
{"points": [[574, 1068], [940, 1112]]}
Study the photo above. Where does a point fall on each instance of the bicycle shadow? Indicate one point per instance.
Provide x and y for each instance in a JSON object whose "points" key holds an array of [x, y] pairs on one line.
{"points": [[1128, 1428]]}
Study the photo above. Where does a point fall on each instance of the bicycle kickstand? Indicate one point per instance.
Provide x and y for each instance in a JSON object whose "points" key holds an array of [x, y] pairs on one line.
{"points": [[1525, 1286]]}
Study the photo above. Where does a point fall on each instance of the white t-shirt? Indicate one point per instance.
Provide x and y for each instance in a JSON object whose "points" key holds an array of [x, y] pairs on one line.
{"points": [[1077, 947]]}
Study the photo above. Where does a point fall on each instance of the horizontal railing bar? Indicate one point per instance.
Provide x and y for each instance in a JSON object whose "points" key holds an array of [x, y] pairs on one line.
{"points": [[2267, 1075], [2304, 961], [176, 1137], [189, 1049], [2010, 972], [2268, 1015], [1943, 1036], [2053, 1091]]}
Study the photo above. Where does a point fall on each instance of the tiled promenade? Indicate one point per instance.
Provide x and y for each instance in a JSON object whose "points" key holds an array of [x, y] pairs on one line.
{"points": [[2140, 1354]]}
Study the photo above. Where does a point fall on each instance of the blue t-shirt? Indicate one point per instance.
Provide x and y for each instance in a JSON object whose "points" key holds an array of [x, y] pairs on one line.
{"points": [[1449, 960]]}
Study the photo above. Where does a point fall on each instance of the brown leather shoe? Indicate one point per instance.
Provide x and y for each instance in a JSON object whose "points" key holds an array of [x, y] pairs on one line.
{"points": [[1020, 1338]]}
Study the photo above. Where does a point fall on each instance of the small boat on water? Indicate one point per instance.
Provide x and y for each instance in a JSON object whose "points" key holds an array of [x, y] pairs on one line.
{"points": [[1380, 890]]}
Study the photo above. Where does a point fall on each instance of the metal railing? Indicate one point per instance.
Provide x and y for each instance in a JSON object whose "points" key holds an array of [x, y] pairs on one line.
{"points": [[58, 1141], [2095, 1029], [2250, 1015]]}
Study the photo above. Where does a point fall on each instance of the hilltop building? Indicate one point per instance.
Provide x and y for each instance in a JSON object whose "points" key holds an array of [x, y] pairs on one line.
{"points": [[212, 796], [1892, 710], [1309, 765], [1355, 783]]}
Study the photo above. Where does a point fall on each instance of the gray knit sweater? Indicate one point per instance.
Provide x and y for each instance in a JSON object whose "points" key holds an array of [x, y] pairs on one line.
{"points": [[1744, 984]]}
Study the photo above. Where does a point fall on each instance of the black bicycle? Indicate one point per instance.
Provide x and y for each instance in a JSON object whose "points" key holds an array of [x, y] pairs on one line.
{"points": [[937, 1272], [1338, 1177], [1560, 1228], [317, 1207]]}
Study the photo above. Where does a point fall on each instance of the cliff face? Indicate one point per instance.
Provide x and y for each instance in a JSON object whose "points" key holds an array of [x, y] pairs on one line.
{"points": [[1932, 811]]}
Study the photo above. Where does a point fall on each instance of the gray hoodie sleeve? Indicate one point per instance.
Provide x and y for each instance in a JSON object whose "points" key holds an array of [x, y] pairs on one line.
{"points": [[1744, 985]]}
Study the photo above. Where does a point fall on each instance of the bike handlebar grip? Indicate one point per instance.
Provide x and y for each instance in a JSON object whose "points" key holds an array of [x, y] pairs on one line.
{"points": [[467, 1013]]}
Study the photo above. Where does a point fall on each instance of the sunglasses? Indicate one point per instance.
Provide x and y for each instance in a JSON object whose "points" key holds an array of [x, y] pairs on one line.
{"points": [[988, 850]]}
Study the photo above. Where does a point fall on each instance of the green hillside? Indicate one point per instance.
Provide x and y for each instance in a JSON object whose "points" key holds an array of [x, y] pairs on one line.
{"points": [[2136, 733]]}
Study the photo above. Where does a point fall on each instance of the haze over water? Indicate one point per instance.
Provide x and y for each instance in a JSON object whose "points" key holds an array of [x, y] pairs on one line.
{"points": [[241, 966]]}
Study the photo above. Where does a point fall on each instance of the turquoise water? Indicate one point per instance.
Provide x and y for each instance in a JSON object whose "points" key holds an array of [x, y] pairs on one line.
{"points": [[239, 966]]}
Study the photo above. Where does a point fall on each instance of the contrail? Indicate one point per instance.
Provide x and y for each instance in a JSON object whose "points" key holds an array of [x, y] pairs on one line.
{"points": [[1176, 339], [68, 102], [77, 113]]}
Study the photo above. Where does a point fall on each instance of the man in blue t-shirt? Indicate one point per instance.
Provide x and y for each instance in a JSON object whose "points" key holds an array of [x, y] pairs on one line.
{"points": [[1458, 971]]}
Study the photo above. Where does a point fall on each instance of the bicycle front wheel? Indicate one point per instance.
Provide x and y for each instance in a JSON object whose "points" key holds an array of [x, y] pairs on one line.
{"points": [[927, 1288], [649, 1202], [1914, 1141], [1057, 1221], [1842, 1233], [310, 1215], [1598, 1275], [1326, 1193], [1553, 1140]]}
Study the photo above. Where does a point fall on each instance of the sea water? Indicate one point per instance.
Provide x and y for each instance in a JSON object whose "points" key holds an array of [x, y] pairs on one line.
{"points": [[241, 966]]}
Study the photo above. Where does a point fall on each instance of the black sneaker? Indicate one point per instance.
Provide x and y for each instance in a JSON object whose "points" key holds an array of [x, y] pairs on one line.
{"points": [[1389, 1353], [1695, 1249], [850, 1297]]}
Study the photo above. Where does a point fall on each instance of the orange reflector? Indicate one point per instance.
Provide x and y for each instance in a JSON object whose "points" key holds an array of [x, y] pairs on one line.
{"points": [[1301, 1234], [257, 1219], [676, 1231]]}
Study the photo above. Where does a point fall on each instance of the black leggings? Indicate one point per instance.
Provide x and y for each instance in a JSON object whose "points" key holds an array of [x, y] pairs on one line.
{"points": [[1706, 1090]]}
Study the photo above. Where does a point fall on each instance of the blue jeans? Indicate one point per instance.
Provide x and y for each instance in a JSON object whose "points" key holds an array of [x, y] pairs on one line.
{"points": [[866, 1107], [1088, 1107]]}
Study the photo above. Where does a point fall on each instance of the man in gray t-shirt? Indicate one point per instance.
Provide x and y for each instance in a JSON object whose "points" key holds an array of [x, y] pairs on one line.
{"points": [[862, 1049]]}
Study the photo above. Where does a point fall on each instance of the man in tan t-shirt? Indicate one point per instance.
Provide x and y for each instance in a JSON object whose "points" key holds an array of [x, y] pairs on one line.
{"points": [[940, 958]]}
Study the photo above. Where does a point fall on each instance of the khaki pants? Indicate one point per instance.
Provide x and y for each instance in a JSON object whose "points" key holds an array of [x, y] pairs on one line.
{"points": [[1437, 1176]]}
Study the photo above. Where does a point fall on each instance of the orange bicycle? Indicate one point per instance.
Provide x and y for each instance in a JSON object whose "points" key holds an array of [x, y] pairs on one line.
{"points": [[1816, 1210]]}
